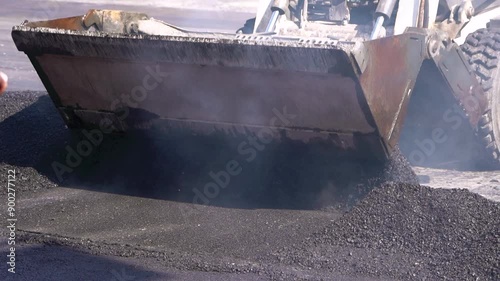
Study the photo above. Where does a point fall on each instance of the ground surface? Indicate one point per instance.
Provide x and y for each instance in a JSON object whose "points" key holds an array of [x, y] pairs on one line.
{"points": [[130, 220], [126, 213]]}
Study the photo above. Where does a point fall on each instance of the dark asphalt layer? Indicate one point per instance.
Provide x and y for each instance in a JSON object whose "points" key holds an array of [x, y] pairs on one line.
{"points": [[118, 215]]}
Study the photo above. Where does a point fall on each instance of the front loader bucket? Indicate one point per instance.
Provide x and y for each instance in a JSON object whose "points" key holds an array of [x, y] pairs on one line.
{"points": [[350, 96]]}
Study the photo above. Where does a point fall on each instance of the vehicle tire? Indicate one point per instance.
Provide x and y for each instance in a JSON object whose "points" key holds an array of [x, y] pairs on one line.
{"points": [[482, 49]]}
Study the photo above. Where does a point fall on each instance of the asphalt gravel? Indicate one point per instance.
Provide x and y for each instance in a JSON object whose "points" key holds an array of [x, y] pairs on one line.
{"points": [[398, 231], [409, 232]]}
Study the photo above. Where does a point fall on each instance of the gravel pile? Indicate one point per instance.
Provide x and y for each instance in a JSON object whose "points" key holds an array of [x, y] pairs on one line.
{"points": [[29, 136], [409, 232]]}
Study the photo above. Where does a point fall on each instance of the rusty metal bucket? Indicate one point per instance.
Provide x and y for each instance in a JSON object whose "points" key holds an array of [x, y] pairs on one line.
{"points": [[101, 71]]}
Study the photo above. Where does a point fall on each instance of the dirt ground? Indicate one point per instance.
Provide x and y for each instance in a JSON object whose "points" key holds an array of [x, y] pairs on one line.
{"points": [[484, 183]]}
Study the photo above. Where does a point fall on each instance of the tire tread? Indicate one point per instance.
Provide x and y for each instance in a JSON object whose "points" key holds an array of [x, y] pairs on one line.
{"points": [[482, 48]]}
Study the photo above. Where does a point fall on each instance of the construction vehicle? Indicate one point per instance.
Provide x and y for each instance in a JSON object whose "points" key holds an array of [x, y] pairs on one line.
{"points": [[337, 72]]}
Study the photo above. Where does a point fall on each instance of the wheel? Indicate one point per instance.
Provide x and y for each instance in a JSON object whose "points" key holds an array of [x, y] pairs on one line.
{"points": [[482, 49]]}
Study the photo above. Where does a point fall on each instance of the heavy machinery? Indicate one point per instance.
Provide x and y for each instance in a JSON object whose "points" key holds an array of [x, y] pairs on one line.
{"points": [[337, 72]]}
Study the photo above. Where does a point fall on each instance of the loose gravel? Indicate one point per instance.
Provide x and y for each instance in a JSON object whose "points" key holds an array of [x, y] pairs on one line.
{"points": [[409, 232], [28, 134], [399, 231]]}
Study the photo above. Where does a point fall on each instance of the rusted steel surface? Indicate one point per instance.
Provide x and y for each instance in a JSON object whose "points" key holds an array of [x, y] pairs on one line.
{"points": [[111, 21], [322, 102], [71, 23], [392, 65]]}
